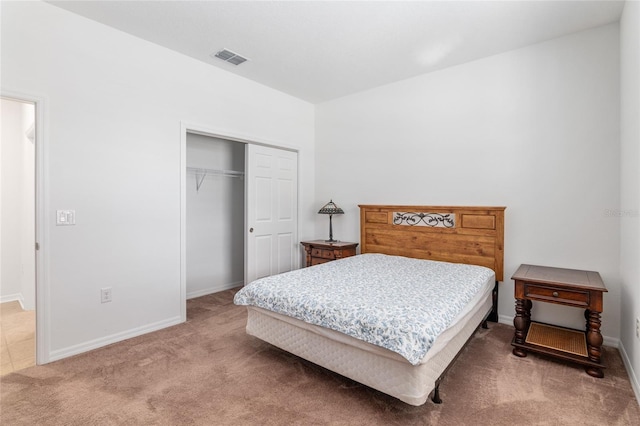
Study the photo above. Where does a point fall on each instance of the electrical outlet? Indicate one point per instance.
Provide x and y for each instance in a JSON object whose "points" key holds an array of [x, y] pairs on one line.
{"points": [[105, 295], [638, 328]]}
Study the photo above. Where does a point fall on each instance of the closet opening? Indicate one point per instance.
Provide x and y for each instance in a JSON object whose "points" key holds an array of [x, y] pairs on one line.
{"points": [[215, 214], [238, 211]]}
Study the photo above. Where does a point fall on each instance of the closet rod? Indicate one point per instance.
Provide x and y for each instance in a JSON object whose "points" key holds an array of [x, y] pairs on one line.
{"points": [[202, 173]]}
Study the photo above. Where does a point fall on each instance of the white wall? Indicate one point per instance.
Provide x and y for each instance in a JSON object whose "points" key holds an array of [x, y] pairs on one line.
{"points": [[114, 108], [17, 192], [215, 216], [535, 130], [629, 217]]}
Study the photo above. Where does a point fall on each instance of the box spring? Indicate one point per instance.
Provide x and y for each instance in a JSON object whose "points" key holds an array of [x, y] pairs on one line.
{"points": [[368, 364]]}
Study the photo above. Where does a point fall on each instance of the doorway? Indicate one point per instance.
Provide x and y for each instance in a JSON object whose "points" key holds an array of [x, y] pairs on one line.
{"points": [[17, 235]]}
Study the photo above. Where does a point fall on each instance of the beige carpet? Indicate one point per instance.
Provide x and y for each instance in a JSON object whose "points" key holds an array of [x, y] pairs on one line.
{"points": [[209, 372]]}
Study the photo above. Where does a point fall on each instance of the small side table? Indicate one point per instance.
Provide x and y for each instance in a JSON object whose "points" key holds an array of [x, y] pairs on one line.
{"points": [[569, 287], [320, 251]]}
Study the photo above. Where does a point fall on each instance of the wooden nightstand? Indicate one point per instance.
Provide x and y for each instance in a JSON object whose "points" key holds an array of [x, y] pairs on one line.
{"points": [[320, 251], [569, 287]]}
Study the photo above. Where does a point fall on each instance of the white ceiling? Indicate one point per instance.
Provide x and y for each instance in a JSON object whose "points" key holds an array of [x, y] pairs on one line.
{"points": [[322, 50]]}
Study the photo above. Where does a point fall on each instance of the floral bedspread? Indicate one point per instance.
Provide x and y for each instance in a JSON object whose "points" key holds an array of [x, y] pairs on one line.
{"points": [[399, 303]]}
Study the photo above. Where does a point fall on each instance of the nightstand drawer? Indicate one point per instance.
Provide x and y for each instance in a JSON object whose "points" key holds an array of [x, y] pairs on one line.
{"points": [[320, 251], [325, 254], [318, 261], [556, 295]]}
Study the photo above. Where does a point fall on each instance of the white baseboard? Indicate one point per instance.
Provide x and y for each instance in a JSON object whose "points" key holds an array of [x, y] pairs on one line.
{"points": [[114, 338], [611, 341], [118, 337], [12, 297], [212, 289], [505, 319], [633, 377]]}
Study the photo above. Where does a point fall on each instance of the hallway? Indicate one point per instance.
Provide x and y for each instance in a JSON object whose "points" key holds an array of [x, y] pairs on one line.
{"points": [[17, 337]]}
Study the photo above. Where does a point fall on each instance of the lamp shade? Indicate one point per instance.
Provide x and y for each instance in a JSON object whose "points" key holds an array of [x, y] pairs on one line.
{"points": [[330, 208]]}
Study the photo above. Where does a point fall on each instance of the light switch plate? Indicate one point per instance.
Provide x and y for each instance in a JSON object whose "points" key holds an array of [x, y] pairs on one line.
{"points": [[65, 217]]}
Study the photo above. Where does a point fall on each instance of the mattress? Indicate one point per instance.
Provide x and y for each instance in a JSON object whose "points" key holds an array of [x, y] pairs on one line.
{"points": [[369, 364], [399, 303]]}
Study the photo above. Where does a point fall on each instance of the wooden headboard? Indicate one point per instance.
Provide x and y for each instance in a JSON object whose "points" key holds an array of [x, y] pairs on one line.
{"points": [[472, 235]]}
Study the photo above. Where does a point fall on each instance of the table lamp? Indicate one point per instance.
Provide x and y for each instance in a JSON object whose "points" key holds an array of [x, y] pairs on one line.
{"points": [[330, 208]]}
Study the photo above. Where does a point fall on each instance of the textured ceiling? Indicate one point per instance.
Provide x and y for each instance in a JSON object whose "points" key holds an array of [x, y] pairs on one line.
{"points": [[322, 50]]}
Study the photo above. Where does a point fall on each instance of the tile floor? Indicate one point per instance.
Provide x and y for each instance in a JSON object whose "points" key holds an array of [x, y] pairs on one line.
{"points": [[17, 337]]}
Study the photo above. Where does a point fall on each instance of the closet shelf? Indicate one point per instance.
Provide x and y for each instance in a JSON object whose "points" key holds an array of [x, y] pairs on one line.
{"points": [[203, 173]]}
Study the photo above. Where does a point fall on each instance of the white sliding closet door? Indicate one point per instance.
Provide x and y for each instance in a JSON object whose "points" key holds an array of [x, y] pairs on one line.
{"points": [[272, 216]]}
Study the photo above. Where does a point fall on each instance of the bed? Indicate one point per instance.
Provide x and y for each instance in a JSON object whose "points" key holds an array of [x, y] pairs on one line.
{"points": [[377, 318]]}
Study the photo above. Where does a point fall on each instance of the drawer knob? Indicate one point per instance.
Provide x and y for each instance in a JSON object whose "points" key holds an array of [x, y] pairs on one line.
{"points": [[555, 294]]}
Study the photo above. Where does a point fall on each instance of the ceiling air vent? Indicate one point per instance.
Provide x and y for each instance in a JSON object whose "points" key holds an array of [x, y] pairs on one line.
{"points": [[231, 57]]}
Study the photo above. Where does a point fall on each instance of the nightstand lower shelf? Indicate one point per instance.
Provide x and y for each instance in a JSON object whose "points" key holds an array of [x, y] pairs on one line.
{"points": [[560, 342]]}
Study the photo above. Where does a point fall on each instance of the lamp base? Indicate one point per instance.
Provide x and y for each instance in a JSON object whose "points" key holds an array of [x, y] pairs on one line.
{"points": [[330, 240]]}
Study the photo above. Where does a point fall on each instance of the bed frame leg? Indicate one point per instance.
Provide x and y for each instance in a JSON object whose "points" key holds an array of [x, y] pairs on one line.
{"points": [[435, 397], [493, 316], [436, 393]]}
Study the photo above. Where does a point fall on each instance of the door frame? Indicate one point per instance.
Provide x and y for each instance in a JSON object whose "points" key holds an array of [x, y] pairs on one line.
{"points": [[188, 127], [42, 302]]}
